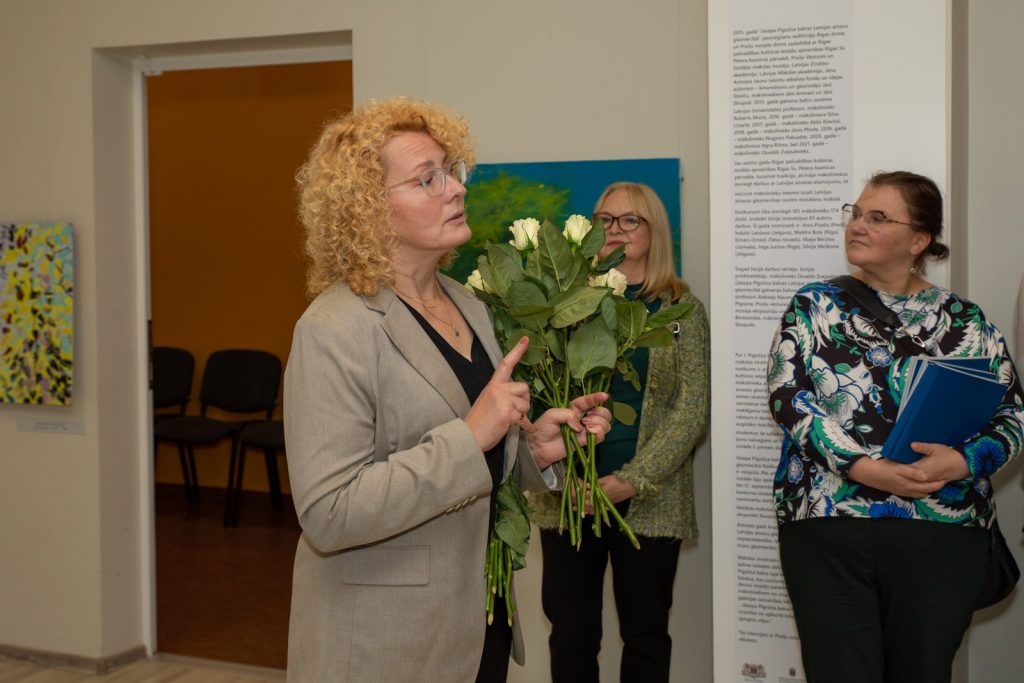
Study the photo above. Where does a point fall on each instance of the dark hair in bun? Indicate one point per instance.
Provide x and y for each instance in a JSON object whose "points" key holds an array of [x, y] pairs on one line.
{"points": [[924, 202]]}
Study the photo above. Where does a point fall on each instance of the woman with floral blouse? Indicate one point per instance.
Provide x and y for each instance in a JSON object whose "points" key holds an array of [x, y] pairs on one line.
{"points": [[883, 561]]}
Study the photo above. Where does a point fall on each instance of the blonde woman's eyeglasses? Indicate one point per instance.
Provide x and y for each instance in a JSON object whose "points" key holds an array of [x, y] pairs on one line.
{"points": [[628, 222]]}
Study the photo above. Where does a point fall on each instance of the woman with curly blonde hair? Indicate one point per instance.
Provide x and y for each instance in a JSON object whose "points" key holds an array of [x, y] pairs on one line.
{"points": [[401, 418], [349, 236]]}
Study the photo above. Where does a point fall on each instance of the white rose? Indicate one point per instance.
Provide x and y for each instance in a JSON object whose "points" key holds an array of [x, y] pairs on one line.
{"points": [[524, 233], [576, 228], [612, 279], [476, 281], [617, 281]]}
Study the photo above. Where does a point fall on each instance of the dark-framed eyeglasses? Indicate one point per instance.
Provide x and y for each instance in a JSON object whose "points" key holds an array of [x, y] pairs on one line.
{"points": [[433, 180], [628, 222], [873, 219]]}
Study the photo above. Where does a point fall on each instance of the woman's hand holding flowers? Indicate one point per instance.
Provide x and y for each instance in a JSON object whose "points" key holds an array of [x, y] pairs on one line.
{"points": [[585, 415]]}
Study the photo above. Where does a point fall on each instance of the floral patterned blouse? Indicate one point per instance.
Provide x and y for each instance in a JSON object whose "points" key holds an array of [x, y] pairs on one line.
{"points": [[835, 381]]}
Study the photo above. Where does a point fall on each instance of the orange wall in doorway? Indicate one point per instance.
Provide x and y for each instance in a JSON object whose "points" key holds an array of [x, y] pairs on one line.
{"points": [[226, 262]]}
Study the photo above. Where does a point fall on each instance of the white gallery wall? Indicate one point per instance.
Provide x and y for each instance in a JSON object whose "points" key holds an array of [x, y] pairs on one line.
{"points": [[539, 81]]}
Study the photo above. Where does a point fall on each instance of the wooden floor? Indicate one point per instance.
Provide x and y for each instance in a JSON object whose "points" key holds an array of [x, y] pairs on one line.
{"points": [[162, 669], [223, 593]]}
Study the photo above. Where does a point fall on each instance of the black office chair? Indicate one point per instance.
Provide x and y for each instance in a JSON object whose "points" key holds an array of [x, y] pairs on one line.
{"points": [[268, 436], [171, 370], [172, 380], [240, 381]]}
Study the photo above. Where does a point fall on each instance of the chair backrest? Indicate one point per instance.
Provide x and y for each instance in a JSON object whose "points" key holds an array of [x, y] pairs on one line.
{"points": [[172, 376], [241, 381]]}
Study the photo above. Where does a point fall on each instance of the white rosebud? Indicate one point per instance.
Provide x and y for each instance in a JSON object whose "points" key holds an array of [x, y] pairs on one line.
{"points": [[524, 233], [617, 281], [576, 228], [613, 279], [476, 281]]}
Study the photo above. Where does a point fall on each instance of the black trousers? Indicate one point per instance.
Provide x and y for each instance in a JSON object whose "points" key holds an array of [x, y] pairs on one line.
{"points": [[881, 600], [497, 647], [572, 590]]}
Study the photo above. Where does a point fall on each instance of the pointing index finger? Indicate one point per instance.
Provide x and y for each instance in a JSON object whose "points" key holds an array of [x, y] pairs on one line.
{"points": [[503, 373]]}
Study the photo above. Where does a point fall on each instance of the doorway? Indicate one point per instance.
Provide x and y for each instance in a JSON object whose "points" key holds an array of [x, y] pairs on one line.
{"points": [[226, 271]]}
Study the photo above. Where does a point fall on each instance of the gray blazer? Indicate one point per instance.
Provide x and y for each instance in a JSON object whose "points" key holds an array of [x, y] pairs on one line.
{"points": [[392, 492]]}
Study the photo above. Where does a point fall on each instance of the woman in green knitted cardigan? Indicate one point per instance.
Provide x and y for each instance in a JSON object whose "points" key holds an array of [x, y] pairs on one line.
{"points": [[646, 468]]}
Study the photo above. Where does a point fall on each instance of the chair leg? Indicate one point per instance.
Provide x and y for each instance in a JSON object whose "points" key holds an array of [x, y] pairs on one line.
{"points": [[273, 478], [186, 476], [236, 500], [193, 473], [234, 483]]}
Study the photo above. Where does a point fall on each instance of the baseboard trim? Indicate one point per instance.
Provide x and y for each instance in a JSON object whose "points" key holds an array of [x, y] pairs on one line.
{"points": [[60, 660]]}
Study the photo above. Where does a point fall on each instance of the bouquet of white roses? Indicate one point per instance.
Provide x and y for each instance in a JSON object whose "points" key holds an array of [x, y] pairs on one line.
{"points": [[551, 286]]}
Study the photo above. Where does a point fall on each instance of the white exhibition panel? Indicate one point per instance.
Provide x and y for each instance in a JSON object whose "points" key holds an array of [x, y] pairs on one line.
{"points": [[807, 100]]}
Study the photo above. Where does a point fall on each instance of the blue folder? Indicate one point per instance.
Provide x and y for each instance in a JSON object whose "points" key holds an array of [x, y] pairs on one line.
{"points": [[947, 401]]}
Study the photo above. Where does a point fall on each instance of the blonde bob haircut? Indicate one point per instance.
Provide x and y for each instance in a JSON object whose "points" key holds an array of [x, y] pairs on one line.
{"points": [[344, 205], [660, 276]]}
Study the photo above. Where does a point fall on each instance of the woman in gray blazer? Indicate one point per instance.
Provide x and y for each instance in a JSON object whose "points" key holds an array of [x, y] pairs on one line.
{"points": [[401, 418]]}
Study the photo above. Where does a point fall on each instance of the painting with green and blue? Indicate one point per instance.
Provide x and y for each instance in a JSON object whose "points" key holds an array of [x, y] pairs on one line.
{"points": [[498, 194]]}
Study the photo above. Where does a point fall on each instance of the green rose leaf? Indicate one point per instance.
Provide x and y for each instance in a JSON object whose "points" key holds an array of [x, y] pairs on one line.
{"points": [[528, 304], [537, 386], [535, 271], [512, 524], [556, 257], [623, 412], [591, 346], [514, 530], [632, 320], [504, 328], [556, 343], [659, 336], [613, 259], [492, 300], [532, 317], [575, 305], [525, 293], [628, 372], [537, 350], [547, 286], [492, 279], [670, 314], [505, 266], [591, 244], [611, 318], [581, 274]]}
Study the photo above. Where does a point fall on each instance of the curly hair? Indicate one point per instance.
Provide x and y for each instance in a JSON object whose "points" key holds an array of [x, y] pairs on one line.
{"points": [[344, 204]]}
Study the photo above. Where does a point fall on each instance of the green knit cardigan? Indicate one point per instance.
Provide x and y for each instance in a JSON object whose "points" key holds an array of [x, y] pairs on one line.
{"points": [[674, 419]]}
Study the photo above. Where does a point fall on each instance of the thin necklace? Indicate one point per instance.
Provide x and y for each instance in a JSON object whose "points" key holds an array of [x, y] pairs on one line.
{"points": [[429, 310]]}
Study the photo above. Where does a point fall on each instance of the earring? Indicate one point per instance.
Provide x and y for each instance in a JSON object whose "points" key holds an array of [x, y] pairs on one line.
{"points": [[913, 270]]}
